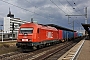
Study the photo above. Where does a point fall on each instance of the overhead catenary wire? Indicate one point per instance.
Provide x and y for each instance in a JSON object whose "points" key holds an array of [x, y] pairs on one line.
{"points": [[58, 7], [77, 7], [64, 6], [25, 9], [22, 8], [34, 5], [74, 8], [54, 4], [39, 9], [61, 9], [48, 13], [71, 5], [29, 10], [30, 2]]}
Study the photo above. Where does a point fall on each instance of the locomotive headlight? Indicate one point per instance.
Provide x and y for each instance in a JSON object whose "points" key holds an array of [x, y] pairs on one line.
{"points": [[24, 39]]}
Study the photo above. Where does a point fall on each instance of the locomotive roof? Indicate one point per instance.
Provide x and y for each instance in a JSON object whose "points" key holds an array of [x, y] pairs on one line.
{"points": [[59, 27]]}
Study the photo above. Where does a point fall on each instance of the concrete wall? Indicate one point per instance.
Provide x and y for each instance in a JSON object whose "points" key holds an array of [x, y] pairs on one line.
{"points": [[8, 36], [7, 24]]}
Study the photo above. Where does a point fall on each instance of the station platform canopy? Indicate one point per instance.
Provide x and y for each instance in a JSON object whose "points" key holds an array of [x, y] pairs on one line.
{"points": [[60, 27], [87, 28]]}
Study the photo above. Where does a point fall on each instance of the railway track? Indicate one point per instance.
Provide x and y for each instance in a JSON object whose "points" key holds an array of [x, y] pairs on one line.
{"points": [[8, 54], [48, 53], [54, 54]]}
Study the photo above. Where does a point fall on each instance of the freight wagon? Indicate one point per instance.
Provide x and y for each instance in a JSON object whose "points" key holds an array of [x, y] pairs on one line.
{"points": [[80, 34]]}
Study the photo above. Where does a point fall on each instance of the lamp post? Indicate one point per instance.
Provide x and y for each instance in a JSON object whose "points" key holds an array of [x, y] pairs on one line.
{"points": [[2, 35], [2, 32]]}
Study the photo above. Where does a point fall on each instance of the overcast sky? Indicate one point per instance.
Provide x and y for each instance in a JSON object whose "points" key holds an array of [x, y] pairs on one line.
{"points": [[47, 11]]}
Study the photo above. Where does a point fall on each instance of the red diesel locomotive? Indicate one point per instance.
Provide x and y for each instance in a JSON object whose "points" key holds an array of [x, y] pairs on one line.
{"points": [[33, 35]]}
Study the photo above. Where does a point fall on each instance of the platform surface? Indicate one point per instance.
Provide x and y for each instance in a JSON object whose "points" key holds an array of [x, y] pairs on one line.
{"points": [[85, 51]]}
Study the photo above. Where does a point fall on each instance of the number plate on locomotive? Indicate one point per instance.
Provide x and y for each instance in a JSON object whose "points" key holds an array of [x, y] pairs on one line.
{"points": [[24, 39]]}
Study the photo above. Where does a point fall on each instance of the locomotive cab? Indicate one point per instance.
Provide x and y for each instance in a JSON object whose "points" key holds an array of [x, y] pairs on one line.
{"points": [[26, 35]]}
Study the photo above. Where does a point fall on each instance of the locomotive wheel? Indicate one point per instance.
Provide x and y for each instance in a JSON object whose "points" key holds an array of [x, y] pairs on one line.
{"points": [[47, 44], [62, 40], [40, 46], [34, 47]]}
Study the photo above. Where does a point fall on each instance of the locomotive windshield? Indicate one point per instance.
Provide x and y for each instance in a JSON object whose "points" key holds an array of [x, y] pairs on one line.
{"points": [[26, 30]]}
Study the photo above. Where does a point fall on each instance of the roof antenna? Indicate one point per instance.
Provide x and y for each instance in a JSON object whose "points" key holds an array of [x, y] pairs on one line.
{"points": [[9, 11], [31, 20]]}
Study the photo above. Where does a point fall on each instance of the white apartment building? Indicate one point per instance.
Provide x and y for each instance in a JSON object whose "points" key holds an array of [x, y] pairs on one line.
{"points": [[8, 24]]}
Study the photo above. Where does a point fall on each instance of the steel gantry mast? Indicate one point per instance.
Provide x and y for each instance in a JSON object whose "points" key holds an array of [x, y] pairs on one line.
{"points": [[80, 15]]}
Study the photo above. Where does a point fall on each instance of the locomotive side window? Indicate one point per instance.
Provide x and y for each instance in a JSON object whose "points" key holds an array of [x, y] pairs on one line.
{"points": [[38, 30], [26, 30]]}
